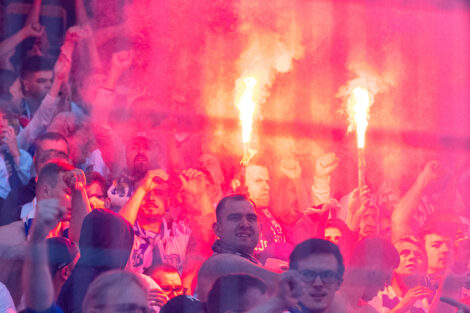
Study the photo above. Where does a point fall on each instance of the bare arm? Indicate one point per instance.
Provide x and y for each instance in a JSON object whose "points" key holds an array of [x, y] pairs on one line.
{"points": [[408, 205], [37, 280], [80, 205], [131, 209]]}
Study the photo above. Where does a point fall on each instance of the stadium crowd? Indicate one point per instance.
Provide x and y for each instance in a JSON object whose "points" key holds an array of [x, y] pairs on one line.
{"points": [[107, 206]]}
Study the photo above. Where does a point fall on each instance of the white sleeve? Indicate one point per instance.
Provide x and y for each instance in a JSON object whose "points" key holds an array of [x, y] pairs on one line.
{"points": [[6, 302], [38, 124]]}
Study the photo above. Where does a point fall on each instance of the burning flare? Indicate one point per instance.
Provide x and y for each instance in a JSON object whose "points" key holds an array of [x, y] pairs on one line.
{"points": [[246, 106], [359, 104]]}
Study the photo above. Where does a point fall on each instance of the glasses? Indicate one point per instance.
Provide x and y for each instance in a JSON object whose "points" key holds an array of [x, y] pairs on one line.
{"points": [[327, 277], [176, 289], [127, 308]]}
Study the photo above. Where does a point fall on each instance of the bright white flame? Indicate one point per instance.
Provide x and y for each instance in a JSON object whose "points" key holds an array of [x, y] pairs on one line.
{"points": [[246, 106], [358, 110]]}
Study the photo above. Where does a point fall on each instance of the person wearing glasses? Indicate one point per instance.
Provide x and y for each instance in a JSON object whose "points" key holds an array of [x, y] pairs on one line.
{"points": [[169, 280], [315, 274]]}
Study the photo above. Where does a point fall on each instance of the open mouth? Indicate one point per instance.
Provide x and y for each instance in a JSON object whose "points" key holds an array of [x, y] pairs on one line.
{"points": [[243, 235], [318, 296]]}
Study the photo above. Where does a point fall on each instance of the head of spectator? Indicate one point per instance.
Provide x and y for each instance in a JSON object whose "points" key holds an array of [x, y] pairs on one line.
{"points": [[138, 155], [78, 134], [106, 241], [212, 165], [336, 231], [257, 181], [237, 224], [186, 304], [96, 190], [116, 291], [36, 77], [50, 147], [168, 278], [236, 293], [368, 223], [439, 233], [321, 268], [51, 184], [370, 269], [63, 255], [154, 205], [413, 260]]}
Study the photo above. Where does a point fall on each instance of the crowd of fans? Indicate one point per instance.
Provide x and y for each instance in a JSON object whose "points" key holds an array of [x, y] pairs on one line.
{"points": [[107, 207]]}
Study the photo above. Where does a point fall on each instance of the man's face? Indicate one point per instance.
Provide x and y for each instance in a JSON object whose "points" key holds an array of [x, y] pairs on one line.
{"points": [[38, 84], [131, 298], [368, 223], [238, 226], [412, 259], [62, 192], [377, 278], [212, 164], [318, 295], [138, 156], [252, 298], [3, 121], [257, 181], [440, 252], [333, 235], [170, 283], [153, 206]]}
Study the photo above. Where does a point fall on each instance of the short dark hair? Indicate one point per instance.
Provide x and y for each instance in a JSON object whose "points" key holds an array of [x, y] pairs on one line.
{"points": [[164, 267], [223, 203], [374, 251], [61, 252], [315, 246], [183, 303], [228, 291], [35, 64], [49, 173], [52, 136]]}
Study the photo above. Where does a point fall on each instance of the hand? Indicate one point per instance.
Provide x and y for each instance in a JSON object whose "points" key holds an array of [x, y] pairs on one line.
{"points": [[325, 164], [193, 181], [364, 195], [48, 214], [152, 178], [78, 32], [291, 288], [62, 67], [122, 60], [411, 297], [431, 172], [33, 30], [8, 137], [291, 168], [157, 297], [75, 179]]}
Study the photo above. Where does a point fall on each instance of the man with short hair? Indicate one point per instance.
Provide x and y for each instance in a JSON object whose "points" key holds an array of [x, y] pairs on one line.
{"points": [[238, 230], [62, 256], [315, 274], [168, 279], [257, 182], [156, 240]]}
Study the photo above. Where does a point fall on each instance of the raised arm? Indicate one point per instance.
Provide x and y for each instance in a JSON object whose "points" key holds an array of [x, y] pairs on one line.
{"points": [[37, 280], [407, 206], [130, 210], [76, 181], [48, 108], [325, 164], [292, 170]]}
